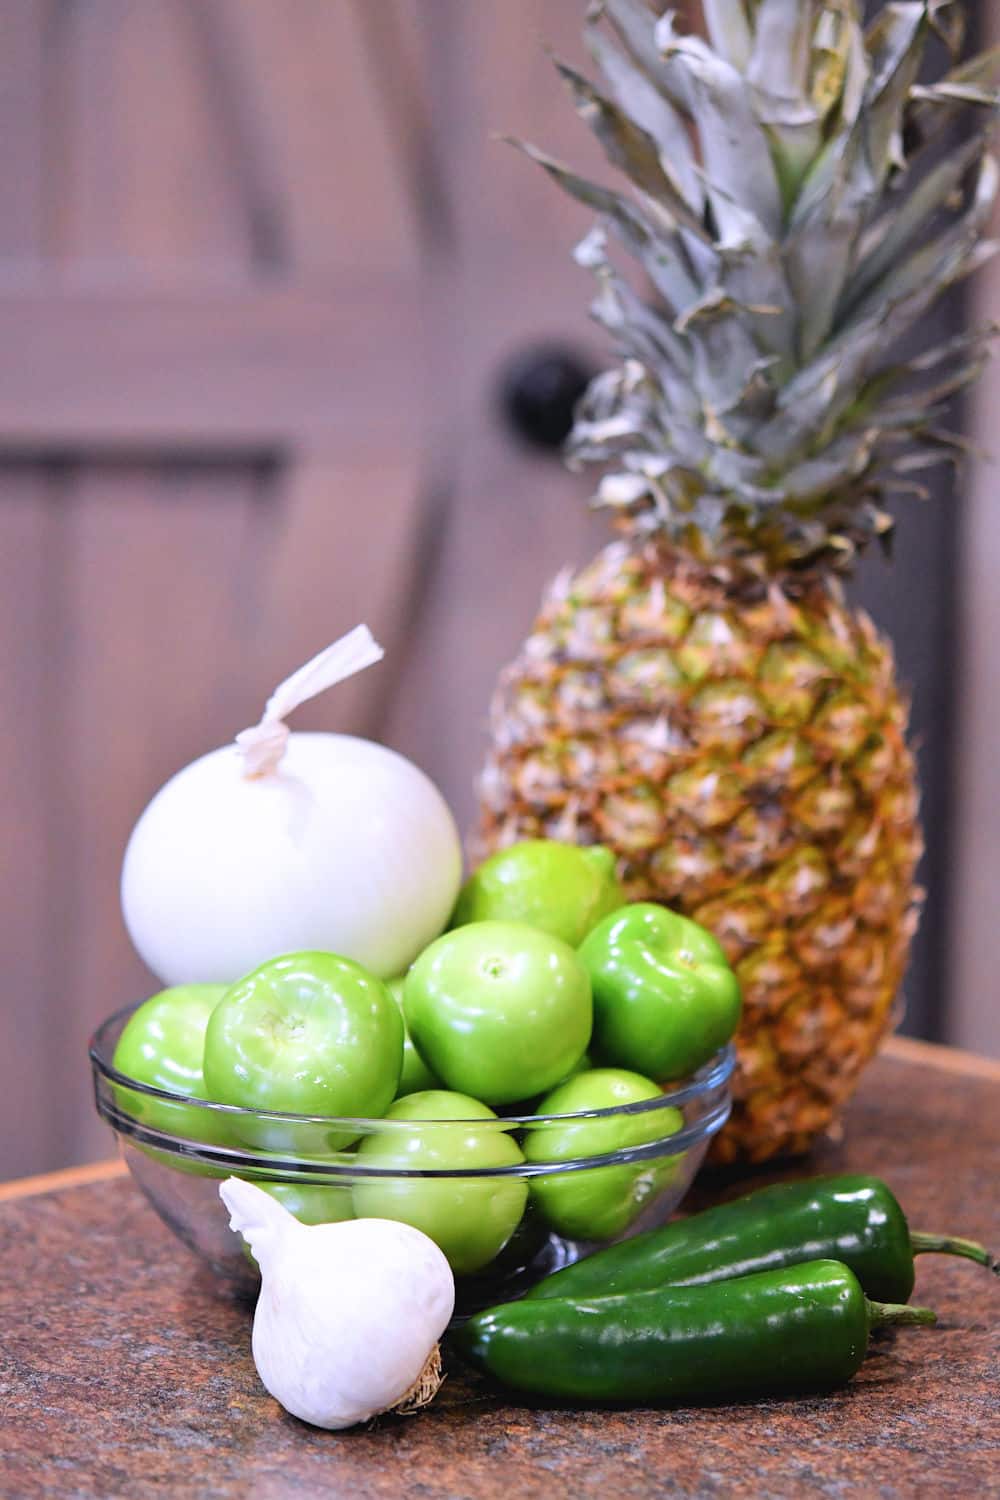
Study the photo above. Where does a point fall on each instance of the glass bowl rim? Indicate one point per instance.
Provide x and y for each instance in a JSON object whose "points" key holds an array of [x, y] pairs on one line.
{"points": [[713, 1074]]}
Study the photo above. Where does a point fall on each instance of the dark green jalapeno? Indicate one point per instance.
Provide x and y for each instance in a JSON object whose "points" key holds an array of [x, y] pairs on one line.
{"points": [[853, 1219], [793, 1331]]}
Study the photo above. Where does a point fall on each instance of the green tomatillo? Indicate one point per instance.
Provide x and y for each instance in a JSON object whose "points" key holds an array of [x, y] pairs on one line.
{"points": [[599, 1203], [416, 1076], [470, 1218], [499, 1010], [562, 889], [665, 997], [306, 1034], [163, 1044], [312, 1202]]}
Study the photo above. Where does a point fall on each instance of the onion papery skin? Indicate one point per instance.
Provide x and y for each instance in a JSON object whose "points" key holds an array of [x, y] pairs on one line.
{"points": [[347, 847]]}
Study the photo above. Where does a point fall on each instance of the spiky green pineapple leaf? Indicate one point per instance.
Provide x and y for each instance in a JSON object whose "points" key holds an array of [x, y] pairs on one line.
{"points": [[933, 107], [633, 91], [895, 41], [936, 265], [888, 239], [626, 144], [779, 198], [661, 256], [635, 24], [813, 401], [948, 21], [739, 168], [638, 329], [778, 71], [729, 368], [729, 31]]}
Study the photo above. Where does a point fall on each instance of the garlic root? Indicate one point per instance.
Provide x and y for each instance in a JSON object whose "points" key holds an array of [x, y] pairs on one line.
{"points": [[424, 1388]]}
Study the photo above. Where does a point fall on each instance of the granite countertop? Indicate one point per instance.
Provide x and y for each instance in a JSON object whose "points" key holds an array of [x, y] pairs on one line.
{"points": [[125, 1372]]}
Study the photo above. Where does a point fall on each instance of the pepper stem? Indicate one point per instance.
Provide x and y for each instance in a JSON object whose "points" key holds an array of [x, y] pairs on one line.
{"points": [[941, 1244], [898, 1314]]}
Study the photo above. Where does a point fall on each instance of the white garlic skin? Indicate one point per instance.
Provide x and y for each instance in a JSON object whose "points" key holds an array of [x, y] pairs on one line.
{"points": [[347, 847], [348, 1313]]}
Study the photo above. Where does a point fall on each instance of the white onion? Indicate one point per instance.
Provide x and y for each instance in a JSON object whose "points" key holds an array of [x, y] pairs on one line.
{"points": [[288, 842]]}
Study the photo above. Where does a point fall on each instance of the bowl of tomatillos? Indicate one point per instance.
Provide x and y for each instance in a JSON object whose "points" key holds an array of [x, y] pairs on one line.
{"points": [[544, 1080]]}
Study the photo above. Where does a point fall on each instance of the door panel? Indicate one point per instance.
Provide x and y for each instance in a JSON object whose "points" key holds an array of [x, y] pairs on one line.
{"points": [[247, 366], [342, 548], [21, 129], [506, 521], [137, 166], [31, 633], [299, 84]]}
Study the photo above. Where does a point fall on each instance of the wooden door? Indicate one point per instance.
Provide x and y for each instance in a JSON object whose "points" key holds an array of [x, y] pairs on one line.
{"points": [[261, 263]]}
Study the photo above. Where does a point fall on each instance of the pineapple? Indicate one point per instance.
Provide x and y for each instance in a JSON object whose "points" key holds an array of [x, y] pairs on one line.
{"points": [[701, 697]]}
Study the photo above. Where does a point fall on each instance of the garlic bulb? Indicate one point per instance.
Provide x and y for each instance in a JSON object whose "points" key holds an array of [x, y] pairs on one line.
{"points": [[287, 843], [349, 1314]]}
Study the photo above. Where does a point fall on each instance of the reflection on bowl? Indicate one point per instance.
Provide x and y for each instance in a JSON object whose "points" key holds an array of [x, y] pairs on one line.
{"points": [[503, 1227]]}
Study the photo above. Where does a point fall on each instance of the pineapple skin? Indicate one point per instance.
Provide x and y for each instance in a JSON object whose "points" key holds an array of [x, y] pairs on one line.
{"points": [[739, 741]]}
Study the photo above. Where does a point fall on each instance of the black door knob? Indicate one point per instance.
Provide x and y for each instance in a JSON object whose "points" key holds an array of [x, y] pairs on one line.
{"points": [[539, 390]]}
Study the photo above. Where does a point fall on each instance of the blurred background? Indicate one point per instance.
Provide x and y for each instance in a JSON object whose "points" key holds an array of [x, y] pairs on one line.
{"points": [[264, 271]]}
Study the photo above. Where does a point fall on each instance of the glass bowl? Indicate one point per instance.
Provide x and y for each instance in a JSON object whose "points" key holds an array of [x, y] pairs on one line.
{"points": [[503, 1227]]}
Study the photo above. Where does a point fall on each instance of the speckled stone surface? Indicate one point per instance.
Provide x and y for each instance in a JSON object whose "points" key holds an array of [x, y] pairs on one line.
{"points": [[123, 1372]]}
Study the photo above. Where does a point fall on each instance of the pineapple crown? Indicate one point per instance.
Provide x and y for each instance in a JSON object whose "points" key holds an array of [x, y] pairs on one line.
{"points": [[791, 211]]}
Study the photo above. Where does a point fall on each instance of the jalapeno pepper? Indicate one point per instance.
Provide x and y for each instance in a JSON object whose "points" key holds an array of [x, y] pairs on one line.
{"points": [[665, 997], [854, 1219], [801, 1329]]}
